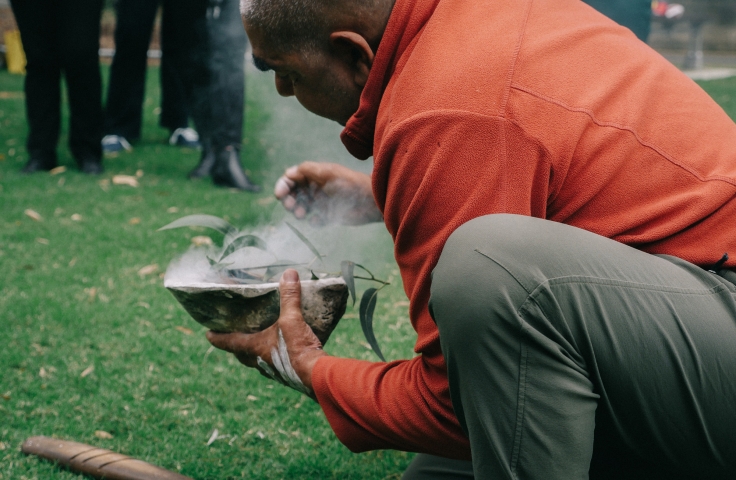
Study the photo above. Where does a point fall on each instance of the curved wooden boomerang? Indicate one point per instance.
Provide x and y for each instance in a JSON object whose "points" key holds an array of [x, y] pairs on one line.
{"points": [[98, 462]]}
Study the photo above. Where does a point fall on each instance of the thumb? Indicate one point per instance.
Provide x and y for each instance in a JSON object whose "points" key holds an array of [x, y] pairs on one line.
{"points": [[290, 291]]}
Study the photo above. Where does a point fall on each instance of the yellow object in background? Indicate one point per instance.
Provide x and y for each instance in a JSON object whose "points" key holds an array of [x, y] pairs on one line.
{"points": [[15, 57]]}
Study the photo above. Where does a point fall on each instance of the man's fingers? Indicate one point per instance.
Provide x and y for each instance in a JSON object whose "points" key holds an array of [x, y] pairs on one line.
{"points": [[283, 187], [289, 202], [290, 291], [223, 341], [245, 346]]}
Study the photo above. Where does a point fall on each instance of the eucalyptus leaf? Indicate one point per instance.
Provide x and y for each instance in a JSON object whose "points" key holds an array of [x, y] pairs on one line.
{"points": [[279, 263], [304, 240], [347, 267], [244, 276], [243, 241], [367, 306], [209, 221]]}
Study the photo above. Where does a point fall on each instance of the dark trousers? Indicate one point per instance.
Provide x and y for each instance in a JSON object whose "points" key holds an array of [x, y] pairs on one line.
{"points": [[135, 18], [572, 356], [62, 37], [636, 15], [218, 99]]}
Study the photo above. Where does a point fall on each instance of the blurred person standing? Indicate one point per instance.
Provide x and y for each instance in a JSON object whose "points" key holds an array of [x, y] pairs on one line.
{"points": [[218, 100], [635, 15], [125, 93], [62, 37]]}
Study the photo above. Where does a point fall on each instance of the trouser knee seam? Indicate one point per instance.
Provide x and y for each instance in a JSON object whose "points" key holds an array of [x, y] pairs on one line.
{"points": [[521, 403], [507, 270]]}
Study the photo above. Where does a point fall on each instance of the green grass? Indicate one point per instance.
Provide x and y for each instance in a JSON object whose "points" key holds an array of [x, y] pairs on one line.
{"points": [[71, 299], [724, 92]]}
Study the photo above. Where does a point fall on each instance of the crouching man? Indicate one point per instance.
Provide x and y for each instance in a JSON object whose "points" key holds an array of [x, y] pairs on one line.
{"points": [[560, 221]]}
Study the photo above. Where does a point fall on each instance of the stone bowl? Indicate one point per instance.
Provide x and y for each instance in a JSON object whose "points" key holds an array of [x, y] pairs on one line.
{"points": [[251, 308]]}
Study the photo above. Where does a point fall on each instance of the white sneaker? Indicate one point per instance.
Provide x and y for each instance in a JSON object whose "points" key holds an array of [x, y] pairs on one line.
{"points": [[185, 137], [115, 143]]}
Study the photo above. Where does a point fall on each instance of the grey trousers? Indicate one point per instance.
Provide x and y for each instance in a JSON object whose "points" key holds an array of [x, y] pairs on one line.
{"points": [[572, 356]]}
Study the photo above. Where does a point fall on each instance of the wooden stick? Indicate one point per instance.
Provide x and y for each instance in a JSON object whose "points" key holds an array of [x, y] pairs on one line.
{"points": [[98, 462]]}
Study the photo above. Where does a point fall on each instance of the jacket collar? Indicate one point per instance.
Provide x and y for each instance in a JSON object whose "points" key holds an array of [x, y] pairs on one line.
{"points": [[407, 20]]}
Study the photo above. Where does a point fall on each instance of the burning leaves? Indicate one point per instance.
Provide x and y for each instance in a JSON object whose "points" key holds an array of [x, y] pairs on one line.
{"points": [[236, 240]]}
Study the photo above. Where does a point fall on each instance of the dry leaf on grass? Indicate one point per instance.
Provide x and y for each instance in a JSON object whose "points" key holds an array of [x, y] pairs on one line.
{"points": [[128, 180], [266, 201], [148, 269], [87, 371], [42, 241], [32, 214], [201, 241], [57, 170], [172, 209], [184, 330], [251, 398], [134, 221], [103, 434], [76, 217], [91, 293], [213, 437], [139, 173]]}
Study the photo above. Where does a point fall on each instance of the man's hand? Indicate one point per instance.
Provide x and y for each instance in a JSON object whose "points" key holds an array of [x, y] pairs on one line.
{"points": [[287, 350], [327, 193]]}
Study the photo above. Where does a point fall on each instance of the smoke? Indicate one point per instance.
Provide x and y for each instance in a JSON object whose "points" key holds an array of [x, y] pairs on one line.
{"points": [[367, 245], [191, 268]]}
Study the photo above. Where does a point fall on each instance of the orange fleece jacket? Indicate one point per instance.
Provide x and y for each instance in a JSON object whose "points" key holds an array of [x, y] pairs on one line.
{"points": [[534, 107]]}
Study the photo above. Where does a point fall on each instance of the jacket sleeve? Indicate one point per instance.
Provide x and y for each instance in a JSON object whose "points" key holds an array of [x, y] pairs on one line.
{"points": [[431, 175]]}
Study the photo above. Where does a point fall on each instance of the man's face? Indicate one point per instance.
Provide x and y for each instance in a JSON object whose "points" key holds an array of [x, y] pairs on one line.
{"points": [[321, 82]]}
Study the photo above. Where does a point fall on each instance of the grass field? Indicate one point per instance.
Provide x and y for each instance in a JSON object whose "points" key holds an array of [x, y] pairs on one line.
{"points": [[89, 345], [95, 350]]}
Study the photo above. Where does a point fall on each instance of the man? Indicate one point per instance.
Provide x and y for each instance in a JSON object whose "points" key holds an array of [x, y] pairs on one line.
{"points": [[218, 96], [551, 219], [634, 14], [203, 67], [62, 39], [124, 106]]}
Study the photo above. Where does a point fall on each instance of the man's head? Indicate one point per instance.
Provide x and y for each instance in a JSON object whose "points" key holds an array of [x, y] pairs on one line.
{"points": [[321, 50]]}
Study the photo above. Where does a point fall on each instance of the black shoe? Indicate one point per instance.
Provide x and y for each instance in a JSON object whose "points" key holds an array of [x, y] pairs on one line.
{"points": [[206, 162], [227, 171], [38, 164], [91, 167]]}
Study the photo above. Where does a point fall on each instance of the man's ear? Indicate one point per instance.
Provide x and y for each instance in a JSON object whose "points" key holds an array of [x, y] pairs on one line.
{"points": [[360, 54]]}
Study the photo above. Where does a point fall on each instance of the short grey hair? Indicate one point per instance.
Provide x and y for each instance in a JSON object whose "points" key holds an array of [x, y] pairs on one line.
{"points": [[301, 24]]}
